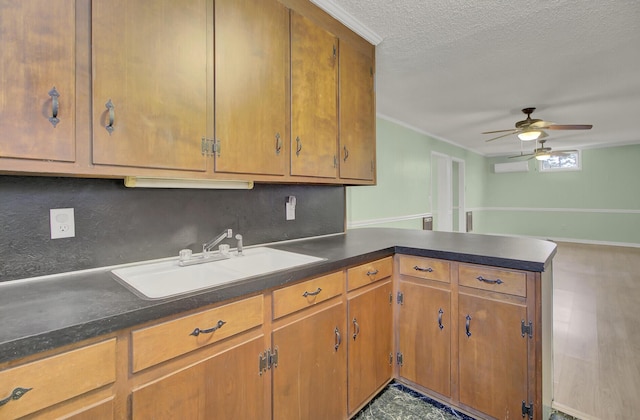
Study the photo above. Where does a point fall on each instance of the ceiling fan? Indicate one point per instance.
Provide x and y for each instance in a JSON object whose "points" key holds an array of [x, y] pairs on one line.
{"points": [[543, 153], [531, 128]]}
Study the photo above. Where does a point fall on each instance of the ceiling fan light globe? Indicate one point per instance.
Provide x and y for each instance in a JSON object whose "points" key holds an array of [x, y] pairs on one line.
{"points": [[529, 135], [543, 156]]}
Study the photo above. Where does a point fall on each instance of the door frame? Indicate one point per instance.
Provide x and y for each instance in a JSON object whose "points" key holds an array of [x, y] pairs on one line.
{"points": [[448, 162]]}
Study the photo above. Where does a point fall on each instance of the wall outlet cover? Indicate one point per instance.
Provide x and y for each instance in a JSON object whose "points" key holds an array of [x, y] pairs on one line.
{"points": [[62, 223]]}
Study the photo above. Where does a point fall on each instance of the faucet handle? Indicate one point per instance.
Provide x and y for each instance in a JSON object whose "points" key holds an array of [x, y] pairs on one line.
{"points": [[239, 238]]}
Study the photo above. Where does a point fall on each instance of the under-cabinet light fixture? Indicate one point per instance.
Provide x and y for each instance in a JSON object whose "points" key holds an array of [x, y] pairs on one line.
{"points": [[212, 184]]}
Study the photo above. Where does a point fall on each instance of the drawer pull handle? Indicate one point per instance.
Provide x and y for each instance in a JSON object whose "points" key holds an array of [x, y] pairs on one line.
{"points": [[338, 339], [278, 144], [53, 119], [440, 313], [112, 116], [317, 292], [298, 146], [489, 281], [468, 325], [428, 269], [372, 273], [198, 331], [356, 328], [16, 394]]}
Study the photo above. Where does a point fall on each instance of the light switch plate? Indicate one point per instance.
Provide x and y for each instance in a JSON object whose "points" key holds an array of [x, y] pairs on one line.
{"points": [[62, 223]]}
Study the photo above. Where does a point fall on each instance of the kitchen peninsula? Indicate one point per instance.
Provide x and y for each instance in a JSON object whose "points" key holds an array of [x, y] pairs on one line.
{"points": [[88, 320]]}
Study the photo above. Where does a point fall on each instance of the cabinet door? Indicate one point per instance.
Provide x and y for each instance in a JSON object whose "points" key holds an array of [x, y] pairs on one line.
{"points": [[314, 99], [369, 343], [38, 48], [150, 68], [425, 346], [226, 386], [251, 61], [310, 379], [493, 356], [357, 114]]}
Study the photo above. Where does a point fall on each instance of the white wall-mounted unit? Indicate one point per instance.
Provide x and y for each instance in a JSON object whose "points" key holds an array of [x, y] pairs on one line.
{"points": [[519, 166]]}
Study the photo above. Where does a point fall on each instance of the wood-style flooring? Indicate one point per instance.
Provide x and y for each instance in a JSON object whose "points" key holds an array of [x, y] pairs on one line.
{"points": [[596, 331]]}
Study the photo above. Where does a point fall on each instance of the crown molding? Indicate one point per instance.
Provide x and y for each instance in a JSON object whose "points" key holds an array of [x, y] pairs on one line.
{"points": [[348, 20]]}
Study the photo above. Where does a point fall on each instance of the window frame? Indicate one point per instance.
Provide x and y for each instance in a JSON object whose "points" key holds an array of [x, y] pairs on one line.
{"points": [[578, 166]]}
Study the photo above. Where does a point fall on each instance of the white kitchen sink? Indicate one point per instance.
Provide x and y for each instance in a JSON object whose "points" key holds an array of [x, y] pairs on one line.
{"points": [[167, 278]]}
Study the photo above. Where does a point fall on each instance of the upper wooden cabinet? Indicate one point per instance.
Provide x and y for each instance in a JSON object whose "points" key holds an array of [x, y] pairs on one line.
{"points": [[314, 99], [251, 70], [357, 113], [37, 80], [150, 63]]}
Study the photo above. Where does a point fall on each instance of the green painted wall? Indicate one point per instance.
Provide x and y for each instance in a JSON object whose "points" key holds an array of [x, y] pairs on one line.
{"points": [[600, 203], [404, 177]]}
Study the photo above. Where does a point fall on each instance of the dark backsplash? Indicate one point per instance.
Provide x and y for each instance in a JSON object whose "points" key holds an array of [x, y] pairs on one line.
{"points": [[117, 225]]}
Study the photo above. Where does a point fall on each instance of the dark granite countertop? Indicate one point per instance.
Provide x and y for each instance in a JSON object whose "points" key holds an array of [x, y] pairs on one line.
{"points": [[44, 313]]}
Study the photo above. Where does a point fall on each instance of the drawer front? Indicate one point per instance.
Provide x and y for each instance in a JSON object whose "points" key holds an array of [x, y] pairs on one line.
{"points": [[425, 268], [57, 378], [369, 273], [302, 295], [493, 279], [159, 343]]}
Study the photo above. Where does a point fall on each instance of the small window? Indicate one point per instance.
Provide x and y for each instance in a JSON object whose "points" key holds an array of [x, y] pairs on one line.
{"points": [[569, 161]]}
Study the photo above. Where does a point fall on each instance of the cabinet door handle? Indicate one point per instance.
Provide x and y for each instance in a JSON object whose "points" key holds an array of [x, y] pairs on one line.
{"points": [[468, 325], [298, 146], [356, 328], [53, 119], [346, 153], [428, 269], [198, 331], [278, 144], [338, 338], [372, 273], [112, 116], [440, 313], [16, 394], [489, 281], [317, 292]]}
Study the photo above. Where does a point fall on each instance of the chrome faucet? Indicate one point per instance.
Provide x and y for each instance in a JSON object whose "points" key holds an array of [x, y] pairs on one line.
{"points": [[207, 247]]}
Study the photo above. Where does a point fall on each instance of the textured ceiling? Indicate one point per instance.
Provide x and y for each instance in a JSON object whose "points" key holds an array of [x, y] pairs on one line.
{"points": [[453, 69]]}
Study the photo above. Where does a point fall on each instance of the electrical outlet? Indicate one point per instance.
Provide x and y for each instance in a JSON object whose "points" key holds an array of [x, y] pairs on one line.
{"points": [[62, 223]]}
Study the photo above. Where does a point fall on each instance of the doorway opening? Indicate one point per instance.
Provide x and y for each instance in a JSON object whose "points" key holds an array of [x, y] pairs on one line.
{"points": [[447, 193]]}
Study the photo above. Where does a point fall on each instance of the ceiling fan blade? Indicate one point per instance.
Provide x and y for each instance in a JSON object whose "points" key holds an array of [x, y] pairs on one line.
{"points": [[540, 124], [568, 127], [504, 135], [499, 131], [521, 155], [563, 152]]}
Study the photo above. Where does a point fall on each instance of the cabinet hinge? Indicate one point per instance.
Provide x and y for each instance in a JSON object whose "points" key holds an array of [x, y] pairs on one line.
{"points": [[527, 409], [399, 359], [215, 147], [335, 161], [526, 329], [400, 298], [390, 359], [267, 359], [390, 298]]}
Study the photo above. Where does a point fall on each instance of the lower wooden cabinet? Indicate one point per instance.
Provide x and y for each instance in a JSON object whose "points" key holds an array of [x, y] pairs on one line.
{"points": [[44, 383], [469, 337], [424, 336], [228, 385], [309, 380], [370, 347]]}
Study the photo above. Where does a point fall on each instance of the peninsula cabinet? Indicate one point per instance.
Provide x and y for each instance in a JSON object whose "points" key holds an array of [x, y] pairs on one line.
{"points": [[424, 323], [150, 61], [251, 73], [309, 343], [370, 320], [314, 99], [37, 80], [467, 335]]}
